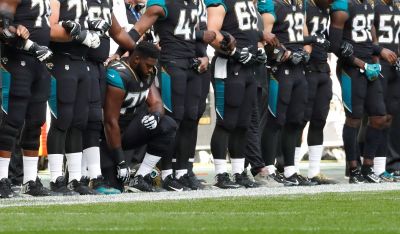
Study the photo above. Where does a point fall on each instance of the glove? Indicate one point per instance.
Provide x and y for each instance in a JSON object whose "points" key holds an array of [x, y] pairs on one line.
{"points": [[196, 65], [123, 172], [88, 38], [43, 53], [99, 25], [151, 120], [299, 56], [243, 56], [261, 56], [322, 41], [372, 71], [397, 64], [346, 49], [72, 27], [228, 43]]}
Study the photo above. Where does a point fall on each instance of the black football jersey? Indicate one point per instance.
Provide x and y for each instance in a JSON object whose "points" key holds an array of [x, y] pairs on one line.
{"points": [[289, 23], [357, 29], [121, 76], [202, 15], [100, 9], [177, 30], [387, 24], [76, 10], [240, 21], [34, 15], [317, 20]]}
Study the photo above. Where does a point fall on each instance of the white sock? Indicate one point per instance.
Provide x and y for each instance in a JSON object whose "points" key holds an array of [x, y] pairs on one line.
{"points": [[314, 155], [92, 158], [84, 166], [297, 158], [149, 162], [180, 173], [165, 173], [55, 165], [220, 166], [289, 171], [30, 165], [74, 162], [237, 165], [4, 164], [379, 165], [271, 169]]}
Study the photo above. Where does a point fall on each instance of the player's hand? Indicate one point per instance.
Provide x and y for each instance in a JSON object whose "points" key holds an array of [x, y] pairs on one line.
{"points": [[123, 172], [243, 55], [151, 120], [322, 41], [99, 25], [346, 49], [43, 53], [112, 58], [228, 44], [22, 32], [271, 39], [88, 38], [209, 36], [261, 56], [72, 27], [300, 56], [203, 66], [397, 64], [389, 56], [372, 71]]}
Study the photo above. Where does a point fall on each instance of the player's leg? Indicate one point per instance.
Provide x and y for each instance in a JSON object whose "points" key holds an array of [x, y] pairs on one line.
{"points": [[16, 93], [315, 136], [30, 136], [64, 84], [354, 91]]}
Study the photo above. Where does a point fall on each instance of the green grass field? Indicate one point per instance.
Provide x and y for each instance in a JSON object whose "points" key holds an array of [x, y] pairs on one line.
{"points": [[366, 212]]}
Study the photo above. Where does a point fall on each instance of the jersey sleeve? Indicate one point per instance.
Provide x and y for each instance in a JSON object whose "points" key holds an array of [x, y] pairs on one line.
{"points": [[340, 5], [266, 6], [114, 79], [211, 3], [160, 3]]}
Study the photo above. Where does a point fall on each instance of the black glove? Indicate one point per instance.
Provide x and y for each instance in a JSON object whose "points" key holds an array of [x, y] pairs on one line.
{"points": [[346, 49], [322, 41], [72, 27], [397, 64], [299, 56], [195, 65], [43, 53], [275, 53], [99, 25], [150, 121], [261, 56], [243, 56]]}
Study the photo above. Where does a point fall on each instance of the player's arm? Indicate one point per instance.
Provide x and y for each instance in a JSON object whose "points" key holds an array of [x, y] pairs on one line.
{"points": [[380, 51], [112, 106], [120, 36], [57, 32], [154, 101], [267, 11], [306, 47], [215, 19]]}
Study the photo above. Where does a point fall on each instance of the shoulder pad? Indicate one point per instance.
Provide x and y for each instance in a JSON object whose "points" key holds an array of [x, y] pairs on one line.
{"points": [[266, 6], [160, 3], [117, 74]]}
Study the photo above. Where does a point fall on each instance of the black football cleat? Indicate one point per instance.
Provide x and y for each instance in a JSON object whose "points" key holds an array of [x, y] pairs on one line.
{"points": [[191, 182], [59, 187], [80, 188], [138, 183], [170, 183], [298, 180], [244, 180], [224, 182], [35, 189], [355, 177], [5, 188], [369, 175]]}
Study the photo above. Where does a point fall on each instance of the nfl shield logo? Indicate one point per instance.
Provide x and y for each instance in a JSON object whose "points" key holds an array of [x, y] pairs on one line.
{"points": [[67, 67]]}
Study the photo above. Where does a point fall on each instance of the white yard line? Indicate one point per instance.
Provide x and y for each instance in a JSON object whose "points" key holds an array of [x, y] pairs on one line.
{"points": [[217, 193]]}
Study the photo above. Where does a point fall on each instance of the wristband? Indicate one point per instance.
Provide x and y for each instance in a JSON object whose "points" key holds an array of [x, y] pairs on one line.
{"points": [[134, 34], [118, 155], [376, 49], [199, 35]]}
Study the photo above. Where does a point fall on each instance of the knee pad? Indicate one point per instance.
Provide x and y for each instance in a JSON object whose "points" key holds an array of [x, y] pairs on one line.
{"points": [[168, 125], [30, 139], [8, 136]]}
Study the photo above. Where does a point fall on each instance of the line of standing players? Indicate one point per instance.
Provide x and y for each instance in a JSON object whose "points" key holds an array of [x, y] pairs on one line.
{"points": [[62, 62]]}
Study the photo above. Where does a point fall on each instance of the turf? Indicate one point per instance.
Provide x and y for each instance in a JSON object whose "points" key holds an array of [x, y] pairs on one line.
{"points": [[362, 212]]}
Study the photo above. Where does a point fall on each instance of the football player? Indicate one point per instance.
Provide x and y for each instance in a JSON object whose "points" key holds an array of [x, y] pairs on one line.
{"points": [[387, 24], [352, 22], [319, 89], [70, 92], [26, 85], [134, 116]]}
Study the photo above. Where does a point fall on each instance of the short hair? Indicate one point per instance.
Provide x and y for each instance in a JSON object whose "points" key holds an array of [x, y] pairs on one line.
{"points": [[146, 49]]}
